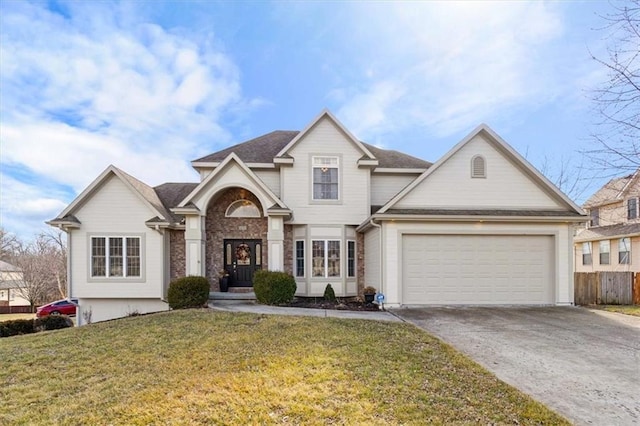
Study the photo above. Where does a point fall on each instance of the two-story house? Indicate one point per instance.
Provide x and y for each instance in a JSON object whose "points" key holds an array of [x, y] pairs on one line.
{"points": [[480, 226], [11, 283], [611, 240]]}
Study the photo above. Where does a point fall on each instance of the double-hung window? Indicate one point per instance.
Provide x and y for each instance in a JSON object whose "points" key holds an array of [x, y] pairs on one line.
{"points": [[624, 251], [326, 258], [605, 250], [115, 257], [594, 213], [586, 253], [326, 178], [632, 208]]}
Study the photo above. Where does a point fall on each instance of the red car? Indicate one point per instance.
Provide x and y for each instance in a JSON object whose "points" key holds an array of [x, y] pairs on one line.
{"points": [[59, 307]]}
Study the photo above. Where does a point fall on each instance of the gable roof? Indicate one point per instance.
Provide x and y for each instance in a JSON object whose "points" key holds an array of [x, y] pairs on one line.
{"points": [[506, 150], [171, 193], [188, 200], [284, 152], [608, 232], [614, 190], [265, 148], [7, 267], [146, 193], [262, 149]]}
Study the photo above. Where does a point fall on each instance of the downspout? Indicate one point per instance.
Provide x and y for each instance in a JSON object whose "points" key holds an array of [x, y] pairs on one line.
{"points": [[377, 225]]}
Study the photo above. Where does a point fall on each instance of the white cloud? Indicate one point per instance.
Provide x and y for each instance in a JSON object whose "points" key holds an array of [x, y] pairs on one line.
{"points": [[97, 85], [446, 66]]}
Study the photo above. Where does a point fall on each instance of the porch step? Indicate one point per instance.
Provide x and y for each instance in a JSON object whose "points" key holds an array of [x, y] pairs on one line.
{"points": [[240, 290], [218, 295]]}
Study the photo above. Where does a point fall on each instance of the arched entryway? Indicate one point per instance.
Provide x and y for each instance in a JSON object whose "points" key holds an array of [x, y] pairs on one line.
{"points": [[236, 237]]}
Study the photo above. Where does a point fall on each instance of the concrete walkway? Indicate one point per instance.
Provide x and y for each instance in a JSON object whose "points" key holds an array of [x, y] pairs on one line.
{"points": [[255, 308]]}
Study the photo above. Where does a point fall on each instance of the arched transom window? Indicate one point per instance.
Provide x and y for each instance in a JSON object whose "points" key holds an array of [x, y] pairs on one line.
{"points": [[242, 208]]}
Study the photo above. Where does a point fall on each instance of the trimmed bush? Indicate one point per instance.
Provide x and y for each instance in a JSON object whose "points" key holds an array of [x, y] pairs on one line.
{"points": [[17, 327], [188, 292], [53, 322], [273, 287], [329, 294]]}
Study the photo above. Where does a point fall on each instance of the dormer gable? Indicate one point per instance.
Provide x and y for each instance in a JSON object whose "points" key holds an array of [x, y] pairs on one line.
{"points": [[367, 157]]}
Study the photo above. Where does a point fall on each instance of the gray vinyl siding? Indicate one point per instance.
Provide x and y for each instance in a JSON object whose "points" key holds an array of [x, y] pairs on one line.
{"points": [[271, 178], [385, 185], [115, 210], [352, 208], [372, 270]]}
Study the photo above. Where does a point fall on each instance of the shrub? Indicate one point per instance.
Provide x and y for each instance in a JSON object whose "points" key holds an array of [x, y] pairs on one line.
{"points": [[188, 292], [369, 290], [17, 327], [273, 288], [53, 322], [329, 294]]}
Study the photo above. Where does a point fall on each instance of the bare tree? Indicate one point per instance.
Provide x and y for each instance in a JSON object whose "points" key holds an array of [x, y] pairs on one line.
{"points": [[57, 257], [617, 100], [43, 265], [568, 175], [9, 245]]}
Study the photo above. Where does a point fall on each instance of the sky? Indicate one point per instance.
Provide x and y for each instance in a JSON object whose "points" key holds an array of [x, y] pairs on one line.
{"points": [[149, 86]]}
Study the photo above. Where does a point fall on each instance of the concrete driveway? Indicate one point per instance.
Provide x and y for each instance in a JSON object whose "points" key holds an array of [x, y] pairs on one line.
{"points": [[584, 364]]}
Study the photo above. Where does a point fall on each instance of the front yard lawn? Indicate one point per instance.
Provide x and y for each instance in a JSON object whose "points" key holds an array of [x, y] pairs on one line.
{"points": [[204, 367], [11, 317]]}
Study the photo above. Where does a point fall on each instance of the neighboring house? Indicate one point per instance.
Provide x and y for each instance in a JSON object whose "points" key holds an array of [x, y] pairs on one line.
{"points": [[10, 284], [611, 240], [480, 226]]}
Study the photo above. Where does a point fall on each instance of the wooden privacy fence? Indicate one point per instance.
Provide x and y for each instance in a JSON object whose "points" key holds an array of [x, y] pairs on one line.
{"points": [[15, 309], [606, 288]]}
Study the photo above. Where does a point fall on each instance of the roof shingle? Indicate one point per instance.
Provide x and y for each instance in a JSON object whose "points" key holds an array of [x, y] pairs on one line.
{"points": [[265, 148]]}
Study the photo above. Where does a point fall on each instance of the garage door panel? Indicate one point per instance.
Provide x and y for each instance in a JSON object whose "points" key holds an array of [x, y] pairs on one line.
{"points": [[478, 269]]}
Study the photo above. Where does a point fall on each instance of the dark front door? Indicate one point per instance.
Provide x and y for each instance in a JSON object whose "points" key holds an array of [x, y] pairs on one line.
{"points": [[241, 259]]}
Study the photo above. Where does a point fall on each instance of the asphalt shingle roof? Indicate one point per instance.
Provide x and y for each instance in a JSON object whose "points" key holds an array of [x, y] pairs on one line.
{"points": [[172, 193], [264, 148], [612, 191], [602, 232]]}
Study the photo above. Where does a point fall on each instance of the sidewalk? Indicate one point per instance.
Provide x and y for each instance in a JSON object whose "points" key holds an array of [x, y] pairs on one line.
{"points": [[255, 308]]}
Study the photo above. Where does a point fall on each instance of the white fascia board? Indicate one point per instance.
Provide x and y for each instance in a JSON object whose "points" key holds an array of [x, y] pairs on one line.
{"points": [[328, 114], [473, 218], [368, 163], [398, 170]]}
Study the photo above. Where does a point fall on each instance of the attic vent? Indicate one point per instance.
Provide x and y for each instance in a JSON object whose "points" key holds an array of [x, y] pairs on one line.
{"points": [[478, 167]]}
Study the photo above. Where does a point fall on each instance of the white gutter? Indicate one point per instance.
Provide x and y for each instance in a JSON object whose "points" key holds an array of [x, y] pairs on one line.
{"points": [[377, 225]]}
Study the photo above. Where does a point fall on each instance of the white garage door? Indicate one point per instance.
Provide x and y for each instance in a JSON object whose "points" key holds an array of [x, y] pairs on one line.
{"points": [[477, 269]]}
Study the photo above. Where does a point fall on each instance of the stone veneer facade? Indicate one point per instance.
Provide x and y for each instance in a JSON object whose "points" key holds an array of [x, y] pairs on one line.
{"points": [[218, 228], [177, 258]]}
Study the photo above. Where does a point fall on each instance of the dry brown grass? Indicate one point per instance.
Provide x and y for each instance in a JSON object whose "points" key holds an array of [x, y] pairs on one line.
{"points": [[204, 367]]}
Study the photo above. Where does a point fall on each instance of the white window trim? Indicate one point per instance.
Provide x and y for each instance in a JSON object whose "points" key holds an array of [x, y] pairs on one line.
{"points": [[589, 252], [628, 251], [355, 259], [326, 258], [295, 258], [600, 252], [244, 203], [124, 277], [336, 166]]}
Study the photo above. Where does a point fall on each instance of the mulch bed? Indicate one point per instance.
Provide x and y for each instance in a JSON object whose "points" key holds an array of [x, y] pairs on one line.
{"points": [[320, 303]]}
